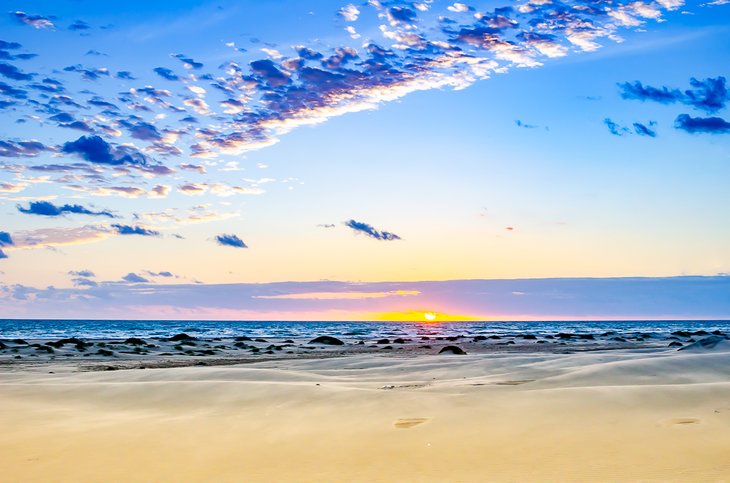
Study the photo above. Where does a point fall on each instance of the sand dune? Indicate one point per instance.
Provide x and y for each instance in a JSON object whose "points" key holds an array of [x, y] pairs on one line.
{"points": [[596, 416]]}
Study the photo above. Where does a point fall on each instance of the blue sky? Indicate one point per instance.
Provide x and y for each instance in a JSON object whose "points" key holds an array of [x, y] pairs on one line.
{"points": [[236, 143]]}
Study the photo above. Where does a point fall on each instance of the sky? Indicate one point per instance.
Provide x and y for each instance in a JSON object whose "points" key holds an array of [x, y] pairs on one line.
{"points": [[379, 160]]}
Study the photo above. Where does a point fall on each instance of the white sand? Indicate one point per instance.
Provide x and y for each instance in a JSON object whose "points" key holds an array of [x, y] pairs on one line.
{"points": [[595, 416]]}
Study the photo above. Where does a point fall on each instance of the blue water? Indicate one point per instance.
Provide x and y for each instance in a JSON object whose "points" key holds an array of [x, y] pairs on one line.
{"points": [[120, 329]]}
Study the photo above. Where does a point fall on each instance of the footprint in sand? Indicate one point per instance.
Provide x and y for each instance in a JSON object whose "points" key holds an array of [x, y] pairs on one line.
{"points": [[406, 423], [682, 421]]}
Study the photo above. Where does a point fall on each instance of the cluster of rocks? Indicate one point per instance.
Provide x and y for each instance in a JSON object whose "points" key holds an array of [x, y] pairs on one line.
{"points": [[185, 345]]}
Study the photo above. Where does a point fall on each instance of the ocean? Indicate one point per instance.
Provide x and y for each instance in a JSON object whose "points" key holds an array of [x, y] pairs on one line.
{"points": [[121, 329]]}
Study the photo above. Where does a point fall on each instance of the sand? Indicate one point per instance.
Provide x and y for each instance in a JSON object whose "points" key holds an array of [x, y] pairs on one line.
{"points": [[618, 415]]}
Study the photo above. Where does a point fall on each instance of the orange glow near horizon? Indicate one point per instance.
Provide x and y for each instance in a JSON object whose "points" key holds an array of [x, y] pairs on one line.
{"points": [[426, 316]]}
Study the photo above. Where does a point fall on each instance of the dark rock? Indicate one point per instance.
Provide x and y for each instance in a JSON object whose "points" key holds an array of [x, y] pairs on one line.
{"points": [[327, 340], [42, 348], [494, 337], [529, 337], [675, 344], [619, 339], [509, 342], [187, 342], [399, 341], [563, 335], [288, 341], [717, 332], [586, 336], [3, 346], [362, 342], [241, 345], [383, 341], [105, 353], [452, 349], [111, 368], [260, 340], [135, 341], [19, 341], [452, 338], [480, 337], [700, 332], [388, 347], [426, 346], [425, 338], [682, 333], [242, 338], [255, 349], [180, 337], [606, 334]]}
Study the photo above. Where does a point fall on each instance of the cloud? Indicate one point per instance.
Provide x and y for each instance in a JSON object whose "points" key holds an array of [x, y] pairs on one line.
{"points": [[79, 25], [231, 241], [84, 282], [698, 125], [46, 208], [134, 278], [94, 149], [708, 95], [164, 274], [188, 63], [643, 130], [12, 72], [82, 273], [350, 13], [5, 239], [134, 230], [166, 74], [368, 230], [35, 21], [339, 295], [22, 149], [614, 128]]}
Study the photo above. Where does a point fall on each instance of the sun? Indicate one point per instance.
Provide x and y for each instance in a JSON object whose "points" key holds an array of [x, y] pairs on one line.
{"points": [[429, 316]]}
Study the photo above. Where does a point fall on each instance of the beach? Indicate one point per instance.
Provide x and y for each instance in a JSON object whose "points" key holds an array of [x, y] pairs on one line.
{"points": [[346, 413]]}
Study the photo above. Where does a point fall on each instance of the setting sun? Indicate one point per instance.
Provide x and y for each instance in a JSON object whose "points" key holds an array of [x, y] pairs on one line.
{"points": [[429, 316]]}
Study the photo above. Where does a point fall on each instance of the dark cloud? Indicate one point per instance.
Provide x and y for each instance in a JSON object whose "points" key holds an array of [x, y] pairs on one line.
{"points": [[12, 72], [46, 208], [79, 25], [643, 130], [370, 231], [5, 45], [188, 62], [698, 125], [268, 70], [708, 95], [22, 149], [5, 239], [126, 75], [230, 240], [134, 230], [614, 128], [13, 92], [134, 278], [95, 150], [638, 91], [166, 73]]}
